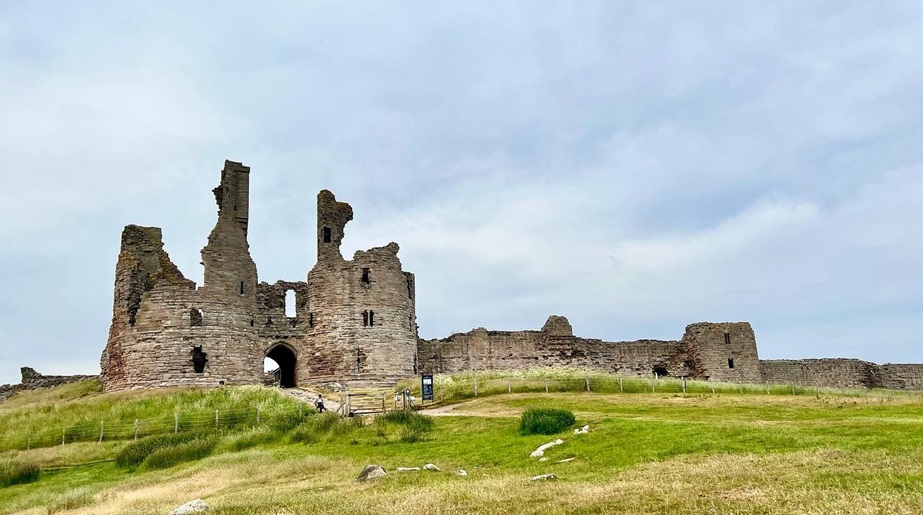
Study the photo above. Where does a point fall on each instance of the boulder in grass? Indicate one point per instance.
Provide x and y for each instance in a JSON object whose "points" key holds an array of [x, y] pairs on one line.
{"points": [[430, 466], [543, 477], [407, 469], [461, 472], [193, 506], [583, 430], [371, 472]]}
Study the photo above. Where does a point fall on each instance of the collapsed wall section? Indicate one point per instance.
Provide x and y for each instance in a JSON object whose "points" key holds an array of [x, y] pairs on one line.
{"points": [[554, 345]]}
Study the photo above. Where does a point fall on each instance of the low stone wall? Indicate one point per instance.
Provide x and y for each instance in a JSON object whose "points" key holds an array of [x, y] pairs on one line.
{"points": [[32, 380], [832, 373], [902, 376]]}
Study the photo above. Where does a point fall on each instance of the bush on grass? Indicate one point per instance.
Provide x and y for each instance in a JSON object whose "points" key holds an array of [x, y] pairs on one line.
{"points": [[545, 421]]}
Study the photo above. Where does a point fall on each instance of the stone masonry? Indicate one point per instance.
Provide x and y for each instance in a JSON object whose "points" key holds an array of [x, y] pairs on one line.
{"points": [[355, 321]]}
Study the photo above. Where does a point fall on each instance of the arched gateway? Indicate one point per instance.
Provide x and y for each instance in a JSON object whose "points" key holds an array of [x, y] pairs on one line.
{"points": [[285, 357]]}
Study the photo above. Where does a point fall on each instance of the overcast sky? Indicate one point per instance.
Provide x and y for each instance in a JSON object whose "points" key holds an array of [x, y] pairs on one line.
{"points": [[634, 166]]}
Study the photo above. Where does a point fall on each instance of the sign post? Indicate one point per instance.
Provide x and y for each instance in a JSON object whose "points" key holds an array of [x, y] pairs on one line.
{"points": [[427, 387]]}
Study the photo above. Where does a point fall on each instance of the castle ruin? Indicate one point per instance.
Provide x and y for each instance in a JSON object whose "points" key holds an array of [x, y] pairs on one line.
{"points": [[355, 321]]}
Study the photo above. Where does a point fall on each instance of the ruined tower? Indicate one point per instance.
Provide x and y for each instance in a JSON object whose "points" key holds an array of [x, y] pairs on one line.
{"points": [[352, 319], [362, 310]]}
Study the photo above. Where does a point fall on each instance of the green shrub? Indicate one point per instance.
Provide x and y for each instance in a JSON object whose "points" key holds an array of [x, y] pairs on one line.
{"points": [[137, 451], [18, 473], [181, 452], [545, 421]]}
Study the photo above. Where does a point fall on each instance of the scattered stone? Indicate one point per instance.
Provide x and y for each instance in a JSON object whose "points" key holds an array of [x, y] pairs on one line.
{"points": [[461, 472], [583, 430], [193, 506], [543, 477], [543, 458], [407, 469], [371, 472], [538, 453], [566, 460], [430, 466]]}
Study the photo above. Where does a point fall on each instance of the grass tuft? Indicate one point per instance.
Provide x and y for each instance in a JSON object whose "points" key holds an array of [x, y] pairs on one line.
{"points": [[545, 421]]}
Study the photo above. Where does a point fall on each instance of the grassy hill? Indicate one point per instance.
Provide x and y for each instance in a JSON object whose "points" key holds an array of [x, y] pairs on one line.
{"points": [[662, 452]]}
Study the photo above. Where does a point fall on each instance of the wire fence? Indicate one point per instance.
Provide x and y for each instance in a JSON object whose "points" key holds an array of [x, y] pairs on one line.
{"points": [[179, 421], [466, 386]]}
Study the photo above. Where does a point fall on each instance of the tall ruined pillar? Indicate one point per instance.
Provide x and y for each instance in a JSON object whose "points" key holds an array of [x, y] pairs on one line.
{"points": [[228, 265]]}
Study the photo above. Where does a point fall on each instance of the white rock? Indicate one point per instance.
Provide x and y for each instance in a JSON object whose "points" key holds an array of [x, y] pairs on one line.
{"points": [[407, 469], [566, 460], [193, 506], [430, 466], [543, 458], [461, 472], [582, 431], [538, 453], [543, 477]]}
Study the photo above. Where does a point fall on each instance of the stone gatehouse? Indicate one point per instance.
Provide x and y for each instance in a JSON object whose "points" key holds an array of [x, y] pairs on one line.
{"points": [[355, 320]]}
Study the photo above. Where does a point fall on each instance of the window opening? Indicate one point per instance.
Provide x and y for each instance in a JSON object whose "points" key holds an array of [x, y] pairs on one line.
{"points": [[268, 320], [241, 287], [199, 359], [366, 276], [727, 338], [290, 304], [365, 319], [132, 315], [358, 360], [195, 317], [310, 319], [371, 318], [660, 371], [327, 235], [252, 322], [730, 362]]}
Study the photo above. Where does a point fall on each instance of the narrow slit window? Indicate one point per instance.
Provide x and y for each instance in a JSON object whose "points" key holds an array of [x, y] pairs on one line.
{"points": [[371, 318], [241, 287], [727, 338], [327, 235], [730, 362], [310, 319], [365, 319], [366, 276]]}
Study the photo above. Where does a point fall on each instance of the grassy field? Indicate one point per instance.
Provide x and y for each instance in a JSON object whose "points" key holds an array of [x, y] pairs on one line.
{"points": [[645, 453]]}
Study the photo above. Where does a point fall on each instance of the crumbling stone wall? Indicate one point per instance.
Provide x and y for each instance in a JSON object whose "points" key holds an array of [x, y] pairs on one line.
{"points": [[554, 345], [842, 373], [32, 380]]}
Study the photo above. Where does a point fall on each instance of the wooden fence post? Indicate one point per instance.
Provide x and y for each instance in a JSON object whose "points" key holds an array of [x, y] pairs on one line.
{"points": [[546, 384], [257, 414], [216, 419], [175, 422], [586, 379], [684, 385], [136, 429], [621, 390], [100, 431], [509, 385], [63, 434], [475, 387]]}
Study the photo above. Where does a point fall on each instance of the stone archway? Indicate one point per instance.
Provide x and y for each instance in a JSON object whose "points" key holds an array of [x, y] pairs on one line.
{"points": [[285, 357]]}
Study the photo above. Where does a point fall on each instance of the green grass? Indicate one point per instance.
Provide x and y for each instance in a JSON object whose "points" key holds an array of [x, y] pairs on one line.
{"points": [[644, 453]]}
